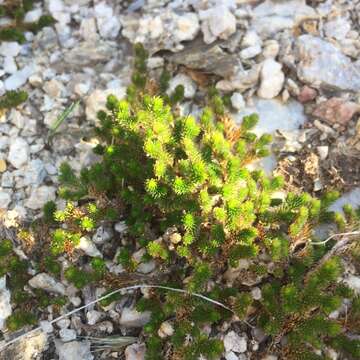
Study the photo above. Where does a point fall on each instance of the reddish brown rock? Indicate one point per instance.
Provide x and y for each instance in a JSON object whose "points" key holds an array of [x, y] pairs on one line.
{"points": [[336, 111], [307, 94]]}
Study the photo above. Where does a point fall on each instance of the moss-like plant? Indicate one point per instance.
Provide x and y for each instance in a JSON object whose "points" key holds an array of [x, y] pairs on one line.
{"points": [[13, 99]]}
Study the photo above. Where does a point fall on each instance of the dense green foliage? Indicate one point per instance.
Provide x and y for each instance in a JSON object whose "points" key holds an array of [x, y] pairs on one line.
{"points": [[187, 193]]}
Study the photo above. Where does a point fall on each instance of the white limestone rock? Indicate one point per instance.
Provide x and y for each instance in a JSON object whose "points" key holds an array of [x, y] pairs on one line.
{"points": [[234, 342], [93, 316], [39, 196], [47, 283], [133, 319], [323, 65], [74, 350], [5, 304], [108, 24], [88, 247], [217, 22], [5, 199], [19, 78], [237, 101], [272, 17], [19, 152], [33, 15], [250, 52], [272, 79], [10, 48], [186, 26], [67, 334]]}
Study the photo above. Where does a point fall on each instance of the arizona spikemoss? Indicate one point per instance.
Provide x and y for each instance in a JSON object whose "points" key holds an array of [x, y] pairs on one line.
{"points": [[184, 186]]}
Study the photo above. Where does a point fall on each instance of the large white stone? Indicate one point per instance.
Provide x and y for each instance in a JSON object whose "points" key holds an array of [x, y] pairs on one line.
{"points": [[234, 342], [135, 352], [132, 318], [67, 334], [33, 15], [97, 100], [47, 283], [272, 79], [271, 16], [323, 65], [352, 198], [19, 78], [337, 28], [274, 115], [5, 304], [19, 152], [74, 350], [217, 22], [108, 24], [9, 65], [10, 48], [187, 26], [88, 247], [39, 196], [5, 199]]}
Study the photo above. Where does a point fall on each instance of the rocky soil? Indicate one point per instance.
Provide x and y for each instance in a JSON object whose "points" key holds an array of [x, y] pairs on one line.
{"points": [[295, 62]]}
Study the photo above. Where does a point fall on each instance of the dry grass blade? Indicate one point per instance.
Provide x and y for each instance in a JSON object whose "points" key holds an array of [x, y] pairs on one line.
{"points": [[113, 343], [61, 118]]}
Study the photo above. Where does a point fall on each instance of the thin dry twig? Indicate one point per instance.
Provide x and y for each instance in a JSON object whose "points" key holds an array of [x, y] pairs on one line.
{"points": [[351, 233]]}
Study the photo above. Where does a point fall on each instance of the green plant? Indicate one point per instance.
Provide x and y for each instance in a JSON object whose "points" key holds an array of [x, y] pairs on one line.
{"points": [[190, 200], [12, 99], [16, 11]]}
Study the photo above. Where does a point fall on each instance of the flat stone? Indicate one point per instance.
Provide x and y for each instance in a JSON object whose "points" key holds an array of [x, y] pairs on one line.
{"points": [[186, 27], [336, 111], [323, 65], [46, 282], [250, 52], [209, 58], [234, 342], [133, 319], [10, 48], [5, 304], [19, 78], [74, 350], [19, 152], [337, 28], [108, 24], [271, 16], [88, 247], [39, 196], [33, 15], [217, 22], [67, 334], [352, 198]]}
